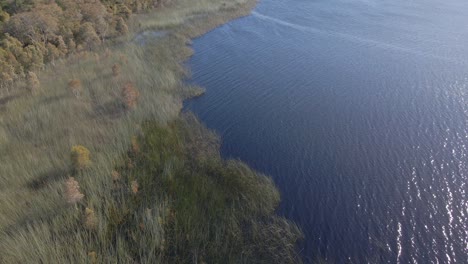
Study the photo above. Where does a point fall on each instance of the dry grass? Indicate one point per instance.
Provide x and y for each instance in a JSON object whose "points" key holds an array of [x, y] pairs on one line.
{"points": [[37, 132]]}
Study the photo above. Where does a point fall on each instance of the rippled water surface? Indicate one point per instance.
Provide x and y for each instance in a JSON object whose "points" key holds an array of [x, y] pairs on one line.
{"points": [[359, 111]]}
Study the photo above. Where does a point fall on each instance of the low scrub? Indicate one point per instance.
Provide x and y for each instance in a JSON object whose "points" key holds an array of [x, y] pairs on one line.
{"points": [[207, 210]]}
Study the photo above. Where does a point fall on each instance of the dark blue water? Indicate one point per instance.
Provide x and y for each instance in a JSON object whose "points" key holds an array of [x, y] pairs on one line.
{"points": [[359, 112]]}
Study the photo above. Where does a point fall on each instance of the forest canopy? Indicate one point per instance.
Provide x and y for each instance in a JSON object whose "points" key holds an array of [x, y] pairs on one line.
{"points": [[35, 32]]}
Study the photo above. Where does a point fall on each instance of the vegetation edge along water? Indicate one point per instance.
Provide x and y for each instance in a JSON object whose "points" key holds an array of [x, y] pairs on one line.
{"points": [[99, 165]]}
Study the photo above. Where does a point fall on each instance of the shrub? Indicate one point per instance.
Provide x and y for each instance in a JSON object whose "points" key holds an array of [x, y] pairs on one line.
{"points": [[80, 157], [75, 87], [121, 27], [134, 187], [92, 257], [116, 70], [222, 210], [90, 220], [129, 96], [88, 35], [115, 176], [33, 82], [72, 191], [135, 145]]}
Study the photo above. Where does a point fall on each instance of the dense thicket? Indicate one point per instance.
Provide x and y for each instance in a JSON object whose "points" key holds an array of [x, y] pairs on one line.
{"points": [[208, 210], [35, 32]]}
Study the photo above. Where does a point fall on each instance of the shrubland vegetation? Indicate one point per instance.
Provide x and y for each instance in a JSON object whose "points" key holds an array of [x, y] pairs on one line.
{"points": [[97, 165]]}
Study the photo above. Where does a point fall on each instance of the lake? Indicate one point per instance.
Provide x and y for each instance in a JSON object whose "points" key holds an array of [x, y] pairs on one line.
{"points": [[358, 109]]}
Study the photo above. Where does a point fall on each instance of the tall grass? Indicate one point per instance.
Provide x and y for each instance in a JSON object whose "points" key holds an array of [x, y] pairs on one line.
{"points": [[37, 132]]}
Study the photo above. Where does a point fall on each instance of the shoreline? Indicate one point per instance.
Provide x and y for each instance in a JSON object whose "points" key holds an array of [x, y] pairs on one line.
{"points": [[37, 132]]}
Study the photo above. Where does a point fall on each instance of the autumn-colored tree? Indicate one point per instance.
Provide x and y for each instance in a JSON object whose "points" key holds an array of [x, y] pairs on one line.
{"points": [[123, 11], [7, 69], [88, 35], [53, 53], [32, 82], [95, 12], [72, 17], [61, 46], [129, 95], [38, 25], [32, 56], [71, 45], [13, 51], [121, 27], [80, 157], [39, 31]]}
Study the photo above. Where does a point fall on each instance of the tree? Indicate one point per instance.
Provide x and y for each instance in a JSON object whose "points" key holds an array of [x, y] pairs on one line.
{"points": [[61, 46], [121, 27], [38, 25], [53, 53], [17, 6], [7, 68], [32, 57], [124, 11], [4, 16], [96, 13], [33, 82], [88, 35]]}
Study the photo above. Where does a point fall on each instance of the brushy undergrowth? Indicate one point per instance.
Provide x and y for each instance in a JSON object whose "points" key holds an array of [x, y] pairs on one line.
{"points": [[193, 207], [170, 199]]}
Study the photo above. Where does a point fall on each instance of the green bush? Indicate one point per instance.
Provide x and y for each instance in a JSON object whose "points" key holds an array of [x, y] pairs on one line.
{"points": [[216, 211]]}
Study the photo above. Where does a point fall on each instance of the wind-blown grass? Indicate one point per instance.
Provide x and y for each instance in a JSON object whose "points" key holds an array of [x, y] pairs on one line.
{"points": [[178, 220]]}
